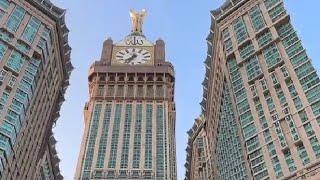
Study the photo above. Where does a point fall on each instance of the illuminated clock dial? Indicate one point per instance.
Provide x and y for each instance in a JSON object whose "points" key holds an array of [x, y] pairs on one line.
{"points": [[133, 56]]}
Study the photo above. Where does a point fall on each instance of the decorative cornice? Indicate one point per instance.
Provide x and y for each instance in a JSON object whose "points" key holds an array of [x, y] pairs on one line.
{"points": [[58, 15]]}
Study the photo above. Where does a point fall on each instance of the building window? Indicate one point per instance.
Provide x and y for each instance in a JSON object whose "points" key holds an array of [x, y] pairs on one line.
{"points": [[277, 167], [241, 95], [294, 49], [15, 62], [269, 101], [137, 137], [253, 68], [150, 92], [272, 56], [271, 149], [243, 106], [3, 49], [303, 116], [303, 154], [240, 30], [270, 3], [100, 90], [115, 137], [274, 78], [104, 137], [290, 40], [298, 103], [228, 46], [8, 130], [31, 29], [252, 144], [4, 4], [160, 154], [280, 134], [5, 36], [277, 12], [264, 39], [267, 135], [126, 137], [299, 59], [5, 144], [308, 129], [313, 94], [246, 51], [148, 138], [249, 131], [293, 128], [15, 18], [289, 160], [309, 81], [120, 90], [257, 18], [159, 91], [304, 69], [110, 91], [315, 146], [92, 137], [130, 91], [246, 118], [23, 47], [140, 91]]}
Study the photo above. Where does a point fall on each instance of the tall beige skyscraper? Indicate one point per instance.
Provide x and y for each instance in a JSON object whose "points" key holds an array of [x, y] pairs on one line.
{"points": [[261, 95], [130, 117], [34, 74]]}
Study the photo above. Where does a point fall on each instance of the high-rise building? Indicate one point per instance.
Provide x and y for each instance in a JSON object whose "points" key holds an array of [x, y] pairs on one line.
{"points": [[261, 95], [34, 74], [130, 117], [198, 159]]}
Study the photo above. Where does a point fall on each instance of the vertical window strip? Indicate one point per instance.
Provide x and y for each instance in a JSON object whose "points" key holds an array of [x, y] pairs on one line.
{"points": [[104, 137], [31, 29], [94, 125], [253, 68], [240, 29], [288, 157], [115, 137], [137, 137], [160, 143], [303, 154], [3, 50], [15, 19], [148, 138], [277, 12], [315, 146], [272, 56], [4, 4], [126, 137], [15, 61], [229, 141], [257, 18]]}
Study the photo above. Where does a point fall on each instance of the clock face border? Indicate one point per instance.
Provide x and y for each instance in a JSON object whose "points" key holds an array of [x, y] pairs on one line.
{"points": [[117, 49]]}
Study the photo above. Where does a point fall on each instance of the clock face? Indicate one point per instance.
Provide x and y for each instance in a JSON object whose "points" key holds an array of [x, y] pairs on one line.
{"points": [[133, 56]]}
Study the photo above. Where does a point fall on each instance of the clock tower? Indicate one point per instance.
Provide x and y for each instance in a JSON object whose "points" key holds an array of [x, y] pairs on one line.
{"points": [[130, 116]]}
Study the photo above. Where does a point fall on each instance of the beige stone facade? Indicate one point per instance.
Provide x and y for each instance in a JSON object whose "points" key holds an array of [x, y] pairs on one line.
{"points": [[198, 161], [261, 95], [34, 74], [130, 117]]}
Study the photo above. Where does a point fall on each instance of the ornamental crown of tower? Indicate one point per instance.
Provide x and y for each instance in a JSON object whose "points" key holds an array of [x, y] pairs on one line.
{"points": [[135, 49]]}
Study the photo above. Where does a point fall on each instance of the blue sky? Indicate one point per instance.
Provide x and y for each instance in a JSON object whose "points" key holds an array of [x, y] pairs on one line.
{"points": [[183, 25]]}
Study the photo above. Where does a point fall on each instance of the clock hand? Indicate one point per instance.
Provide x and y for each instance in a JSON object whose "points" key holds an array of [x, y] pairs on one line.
{"points": [[128, 60]]}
